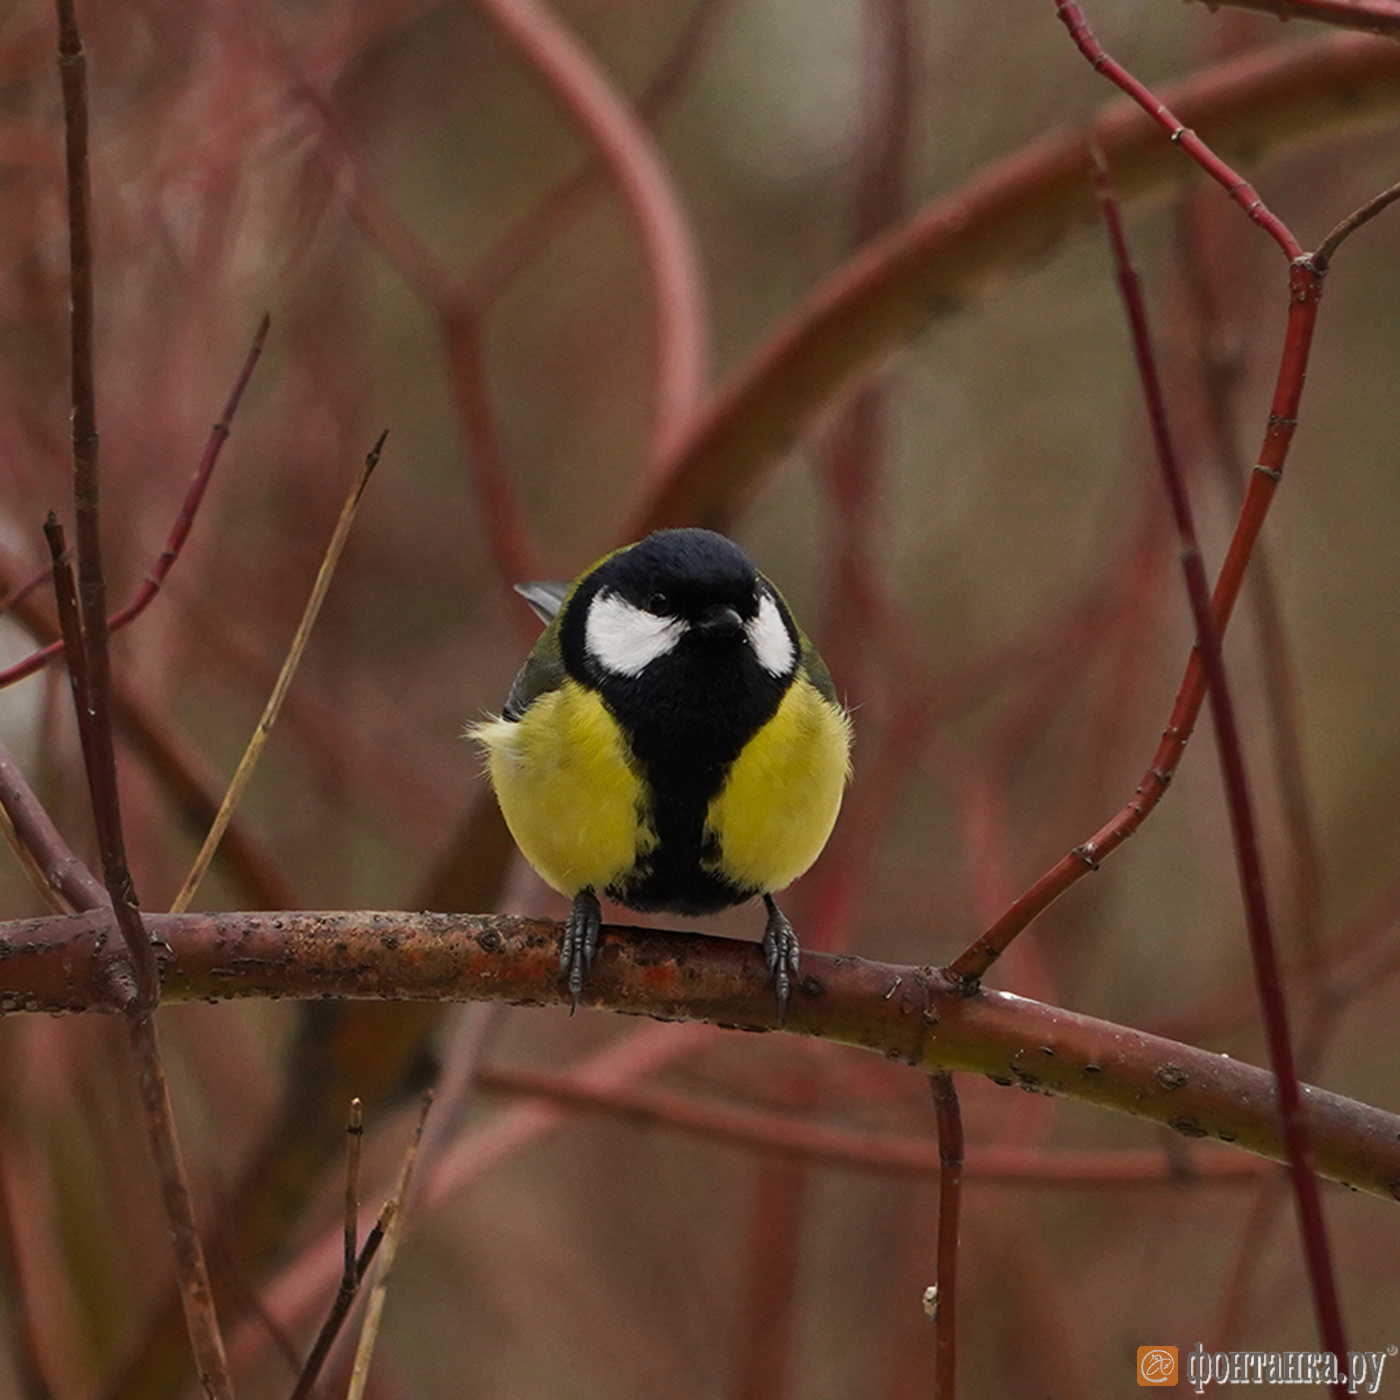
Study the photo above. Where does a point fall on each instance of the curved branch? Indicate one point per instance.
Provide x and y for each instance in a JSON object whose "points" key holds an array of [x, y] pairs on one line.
{"points": [[907, 1013], [1009, 213], [606, 122]]}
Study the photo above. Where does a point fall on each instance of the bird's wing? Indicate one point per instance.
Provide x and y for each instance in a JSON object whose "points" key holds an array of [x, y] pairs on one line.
{"points": [[542, 672], [545, 597]]}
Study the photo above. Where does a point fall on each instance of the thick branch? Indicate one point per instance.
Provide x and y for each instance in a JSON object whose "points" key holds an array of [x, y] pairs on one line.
{"points": [[1372, 16], [971, 237], [902, 1012]]}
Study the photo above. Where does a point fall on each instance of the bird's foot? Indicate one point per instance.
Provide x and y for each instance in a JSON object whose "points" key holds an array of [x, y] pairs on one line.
{"points": [[781, 952], [580, 942]]}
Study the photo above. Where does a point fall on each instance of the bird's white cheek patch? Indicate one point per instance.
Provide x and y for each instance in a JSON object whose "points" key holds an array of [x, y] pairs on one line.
{"points": [[625, 639], [770, 639]]}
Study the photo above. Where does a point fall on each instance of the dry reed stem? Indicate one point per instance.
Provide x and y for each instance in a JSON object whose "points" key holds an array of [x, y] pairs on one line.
{"points": [[248, 763]]}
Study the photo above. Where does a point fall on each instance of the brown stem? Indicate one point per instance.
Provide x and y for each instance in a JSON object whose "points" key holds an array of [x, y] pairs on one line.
{"points": [[61, 869], [950, 1155], [195, 1292], [1327, 249], [85, 634], [907, 1013]]}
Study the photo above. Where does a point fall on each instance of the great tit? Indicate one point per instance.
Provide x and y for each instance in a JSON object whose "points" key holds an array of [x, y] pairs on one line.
{"points": [[673, 742]]}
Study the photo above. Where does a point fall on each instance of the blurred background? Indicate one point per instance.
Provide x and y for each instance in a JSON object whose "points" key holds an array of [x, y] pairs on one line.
{"points": [[977, 543]]}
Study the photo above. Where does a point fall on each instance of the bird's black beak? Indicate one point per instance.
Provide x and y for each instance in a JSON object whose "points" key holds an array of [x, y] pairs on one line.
{"points": [[719, 620]]}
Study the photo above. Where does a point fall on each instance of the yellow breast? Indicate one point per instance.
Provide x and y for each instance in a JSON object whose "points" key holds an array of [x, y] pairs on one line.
{"points": [[776, 810], [568, 790]]}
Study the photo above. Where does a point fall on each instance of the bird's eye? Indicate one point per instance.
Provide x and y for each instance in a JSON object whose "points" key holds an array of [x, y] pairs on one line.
{"points": [[658, 603]]}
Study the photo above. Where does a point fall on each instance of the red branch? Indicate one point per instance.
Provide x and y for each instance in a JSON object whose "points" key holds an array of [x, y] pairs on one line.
{"points": [[945, 1303], [972, 236], [179, 531], [1251, 873], [883, 1153], [609, 125], [1305, 290], [525, 240], [1235, 185], [1372, 16]]}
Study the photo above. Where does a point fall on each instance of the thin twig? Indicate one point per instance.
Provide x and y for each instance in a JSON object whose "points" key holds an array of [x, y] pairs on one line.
{"points": [[945, 1300], [95, 715], [58, 869], [1219, 378], [87, 630], [354, 1136], [1304, 296], [196, 1295], [179, 531], [83, 621], [880, 1153], [1322, 258], [1238, 801], [391, 1225], [273, 708], [1235, 185], [354, 1265]]}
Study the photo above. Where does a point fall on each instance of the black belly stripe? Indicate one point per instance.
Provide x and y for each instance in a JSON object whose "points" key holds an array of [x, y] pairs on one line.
{"points": [[685, 752]]}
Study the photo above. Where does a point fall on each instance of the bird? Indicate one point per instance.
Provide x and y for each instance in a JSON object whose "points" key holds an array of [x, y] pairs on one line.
{"points": [[673, 742]]}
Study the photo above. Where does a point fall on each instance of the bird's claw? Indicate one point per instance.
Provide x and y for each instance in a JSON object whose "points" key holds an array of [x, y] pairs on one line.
{"points": [[781, 953], [580, 942]]}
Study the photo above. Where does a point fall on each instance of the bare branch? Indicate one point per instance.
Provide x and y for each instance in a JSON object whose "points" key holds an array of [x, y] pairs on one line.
{"points": [[905, 1013], [61, 871], [175, 542], [84, 626], [1322, 258], [1312, 1225], [605, 120], [1235, 185], [391, 1222], [945, 1299], [885, 1153], [958, 245], [1370, 16]]}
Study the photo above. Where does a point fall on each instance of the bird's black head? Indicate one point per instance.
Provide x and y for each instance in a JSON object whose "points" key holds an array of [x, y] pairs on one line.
{"points": [[678, 617]]}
